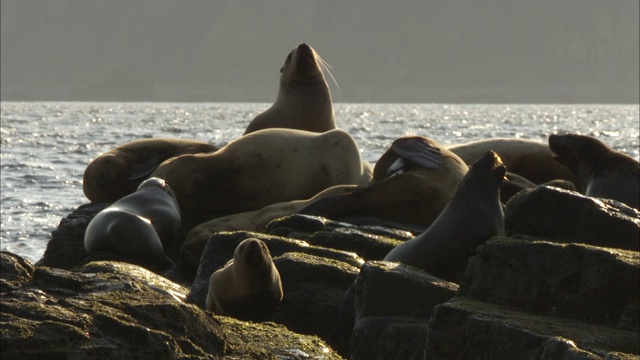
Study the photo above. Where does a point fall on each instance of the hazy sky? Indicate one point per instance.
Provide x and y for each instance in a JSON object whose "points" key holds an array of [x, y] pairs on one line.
{"points": [[382, 51]]}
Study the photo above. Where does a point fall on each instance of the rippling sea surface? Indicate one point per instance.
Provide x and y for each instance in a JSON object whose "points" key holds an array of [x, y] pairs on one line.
{"points": [[47, 145]]}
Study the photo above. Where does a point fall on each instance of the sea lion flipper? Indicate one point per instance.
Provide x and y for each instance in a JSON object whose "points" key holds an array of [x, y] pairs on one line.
{"points": [[418, 151]]}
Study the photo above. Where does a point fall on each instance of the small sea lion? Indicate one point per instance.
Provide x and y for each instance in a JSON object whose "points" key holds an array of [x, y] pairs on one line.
{"points": [[248, 287]]}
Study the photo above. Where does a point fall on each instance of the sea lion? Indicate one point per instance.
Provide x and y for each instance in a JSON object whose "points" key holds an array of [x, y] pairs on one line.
{"points": [[473, 215], [412, 182], [248, 287], [265, 167], [599, 170], [137, 227], [304, 100], [118, 172], [528, 158], [254, 221]]}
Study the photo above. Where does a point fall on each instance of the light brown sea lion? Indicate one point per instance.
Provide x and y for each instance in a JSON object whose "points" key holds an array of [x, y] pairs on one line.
{"points": [[118, 172], [304, 100], [599, 170], [248, 287], [137, 227], [265, 167], [528, 158], [255, 221], [412, 182], [473, 215]]}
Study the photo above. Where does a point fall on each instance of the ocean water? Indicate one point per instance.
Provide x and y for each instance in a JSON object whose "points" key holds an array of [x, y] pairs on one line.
{"points": [[47, 145]]}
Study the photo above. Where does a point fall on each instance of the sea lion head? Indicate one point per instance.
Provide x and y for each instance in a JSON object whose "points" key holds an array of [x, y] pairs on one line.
{"points": [[253, 252], [102, 173], [304, 65], [158, 184], [572, 149], [489, 171]]}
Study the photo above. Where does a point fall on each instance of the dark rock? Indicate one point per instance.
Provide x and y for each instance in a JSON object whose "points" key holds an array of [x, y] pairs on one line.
{"points": [[463, 328], [221, 246], [66, 247], [313, 290], [111, 310], [384, 338], [16, 271], [566, 216], [393, 304], [368, 246], [392, 289], [587, 283]]}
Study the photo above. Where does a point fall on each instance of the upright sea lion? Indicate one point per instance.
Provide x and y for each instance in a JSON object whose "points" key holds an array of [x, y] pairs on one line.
{"points": [[599, 170], [304, 100], [262, 168], [528, 158], [136, 227], [118, 172], [473, 215], [412, 182], [248, 287]]}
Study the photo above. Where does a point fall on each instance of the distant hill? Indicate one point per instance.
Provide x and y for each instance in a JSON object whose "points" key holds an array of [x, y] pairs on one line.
{"points": [[568, 51]]}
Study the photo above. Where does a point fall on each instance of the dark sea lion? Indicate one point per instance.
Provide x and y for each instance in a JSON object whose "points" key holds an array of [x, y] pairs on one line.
{"points": [[599, 170], [473, 215], [304, 100], [262, 168], [118, 172], [248, 287], [528, 158], [137, 227], [412, 183]]}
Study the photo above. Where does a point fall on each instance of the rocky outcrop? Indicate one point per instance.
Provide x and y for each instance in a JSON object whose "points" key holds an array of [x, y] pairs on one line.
{"points": [[567, 216], [539, 292], [112, 310]]}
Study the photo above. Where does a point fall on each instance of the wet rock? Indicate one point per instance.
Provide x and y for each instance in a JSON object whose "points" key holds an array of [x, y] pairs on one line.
{"points": [[313, 290], [16, 271], [464, 328], [121, 311], [393, 304], [384, 338], [567, 216], [66, 247], [392, 289], [586, 283], [221, 247]]}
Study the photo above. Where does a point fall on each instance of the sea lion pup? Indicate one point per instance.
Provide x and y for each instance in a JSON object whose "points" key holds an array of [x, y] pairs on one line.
{"points": [[528, 158], [599, 170], [137, 227], [265, 167], [118, 172], [304, 100], [248, 287], [412, 183], [254, 221]]}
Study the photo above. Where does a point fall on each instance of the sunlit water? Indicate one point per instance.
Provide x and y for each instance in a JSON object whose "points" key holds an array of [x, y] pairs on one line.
{"points": [[46, 146]]}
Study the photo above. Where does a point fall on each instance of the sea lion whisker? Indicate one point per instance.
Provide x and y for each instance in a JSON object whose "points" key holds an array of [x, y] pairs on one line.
{"points": [[325, 66]]}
